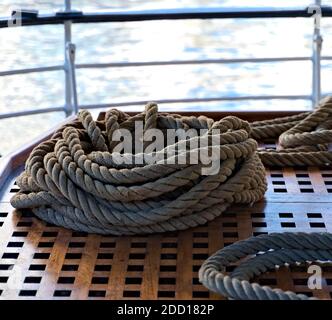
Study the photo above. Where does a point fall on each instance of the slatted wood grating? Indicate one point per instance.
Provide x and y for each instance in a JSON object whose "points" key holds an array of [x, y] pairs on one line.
{"points": [[41, 261]]}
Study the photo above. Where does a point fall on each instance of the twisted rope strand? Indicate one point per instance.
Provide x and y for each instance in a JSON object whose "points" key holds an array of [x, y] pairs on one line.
{"points": [[287, 248]]}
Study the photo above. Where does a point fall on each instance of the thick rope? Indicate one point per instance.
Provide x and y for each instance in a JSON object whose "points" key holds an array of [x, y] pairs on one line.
{"points": [[287, 248], [303, 138], [75, 179]]}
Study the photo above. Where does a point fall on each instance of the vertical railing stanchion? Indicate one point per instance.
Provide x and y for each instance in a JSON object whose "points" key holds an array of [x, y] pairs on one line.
{"points": [[67, 36], [71, 50], [316, 55]]}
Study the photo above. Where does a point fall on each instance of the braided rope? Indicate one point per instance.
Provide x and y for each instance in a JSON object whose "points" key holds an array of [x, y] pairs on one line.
{"points": [[75, 180]]}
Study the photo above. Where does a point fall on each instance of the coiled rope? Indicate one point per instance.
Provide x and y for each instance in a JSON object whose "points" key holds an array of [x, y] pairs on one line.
{"points": [[74, 180], [290, 248]]}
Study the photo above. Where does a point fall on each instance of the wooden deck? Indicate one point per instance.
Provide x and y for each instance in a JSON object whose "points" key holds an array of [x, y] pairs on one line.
{"points": [[40, 261]]}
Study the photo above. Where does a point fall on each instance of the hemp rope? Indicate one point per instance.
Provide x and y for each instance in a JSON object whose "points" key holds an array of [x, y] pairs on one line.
{"points": [[74, 180], [290, 248]]}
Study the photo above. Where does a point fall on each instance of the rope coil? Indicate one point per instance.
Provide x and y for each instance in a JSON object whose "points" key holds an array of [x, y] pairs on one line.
{"points": [[287, 248], [75, 180]]}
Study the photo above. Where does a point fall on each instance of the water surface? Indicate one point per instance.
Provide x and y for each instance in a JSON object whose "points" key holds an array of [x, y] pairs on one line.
{"points": [[152, 41]]}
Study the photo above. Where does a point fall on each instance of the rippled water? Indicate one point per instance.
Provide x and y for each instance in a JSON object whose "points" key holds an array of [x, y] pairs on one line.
{"points": [[150, 41]]}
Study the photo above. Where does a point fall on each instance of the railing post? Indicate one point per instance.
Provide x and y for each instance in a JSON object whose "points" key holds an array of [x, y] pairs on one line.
{"points": [[316, 54], [71, 51], [68, 88]]}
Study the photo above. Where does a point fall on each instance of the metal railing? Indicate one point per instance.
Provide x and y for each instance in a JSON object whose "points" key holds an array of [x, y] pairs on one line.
{"points": [[70, 16]]}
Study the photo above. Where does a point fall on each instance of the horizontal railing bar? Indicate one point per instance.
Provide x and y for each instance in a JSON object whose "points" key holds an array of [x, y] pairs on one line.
{"points": [[155, 63], [143, 102], [185, 62], [167, 14], [31, 70], [158, 63], [193, 100], [30, 112]]}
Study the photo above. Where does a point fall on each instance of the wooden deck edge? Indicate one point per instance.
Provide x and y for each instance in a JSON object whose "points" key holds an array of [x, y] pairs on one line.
{"points": [[216, 115]]}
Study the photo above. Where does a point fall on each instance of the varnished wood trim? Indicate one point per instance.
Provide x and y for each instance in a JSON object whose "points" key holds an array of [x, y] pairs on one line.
{"points": [[245, 115]]}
